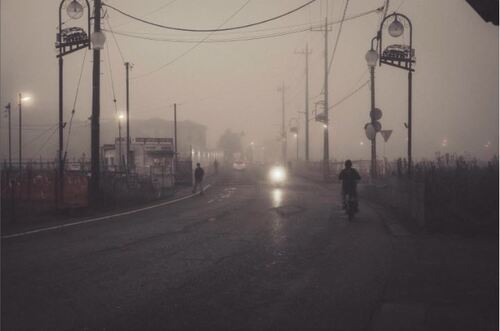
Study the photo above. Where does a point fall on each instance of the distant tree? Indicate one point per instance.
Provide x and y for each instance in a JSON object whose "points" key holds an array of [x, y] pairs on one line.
{"points": [[230, 142]]}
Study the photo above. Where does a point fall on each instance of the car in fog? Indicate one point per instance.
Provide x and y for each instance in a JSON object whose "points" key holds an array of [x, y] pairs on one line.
{"points": [[239, 165], [277, 175]]}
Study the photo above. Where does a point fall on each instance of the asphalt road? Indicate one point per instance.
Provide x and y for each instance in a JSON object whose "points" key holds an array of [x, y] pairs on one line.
{"points": [[244, 256]]}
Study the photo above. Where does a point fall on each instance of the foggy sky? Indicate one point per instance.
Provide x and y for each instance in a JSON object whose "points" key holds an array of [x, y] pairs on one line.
{"points": [[235, 85]]}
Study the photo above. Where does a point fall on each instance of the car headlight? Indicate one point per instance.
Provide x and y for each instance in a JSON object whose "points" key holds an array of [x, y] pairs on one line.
{"points": [[277, 174]]}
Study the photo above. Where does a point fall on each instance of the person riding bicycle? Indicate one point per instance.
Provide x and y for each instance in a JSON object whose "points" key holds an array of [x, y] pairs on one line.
{"points": [[349, 177]]}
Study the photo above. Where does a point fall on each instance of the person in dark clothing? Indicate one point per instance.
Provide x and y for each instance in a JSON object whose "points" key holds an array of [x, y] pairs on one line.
{"points": [[198, 178], [349, 177], [216, 167]]}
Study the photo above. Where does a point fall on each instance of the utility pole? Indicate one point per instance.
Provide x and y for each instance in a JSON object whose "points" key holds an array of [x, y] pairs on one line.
{"points": [[373, 167], [127, 69], [10, 137], [306, 112], [283, 132], [326, 147], [175, 140], [20, 133], [175, 130], [95, 127]]}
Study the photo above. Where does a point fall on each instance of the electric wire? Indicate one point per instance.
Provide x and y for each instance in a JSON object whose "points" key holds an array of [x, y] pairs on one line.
{"points": [[349, 95], [218, 29], [338, 36], [74, 104], [114, 38], [112, 80], [47, 140], [241, 38], [346, 97], [194, 46], [151, 12], [39, 135]]}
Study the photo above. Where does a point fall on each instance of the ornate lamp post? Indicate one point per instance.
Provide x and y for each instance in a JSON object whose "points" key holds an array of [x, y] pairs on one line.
{"points": [[400, 56], [69, 40], [375, 114]]}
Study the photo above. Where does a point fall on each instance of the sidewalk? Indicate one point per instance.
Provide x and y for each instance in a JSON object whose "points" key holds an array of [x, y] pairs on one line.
{"points": [[440, 282], [437, 281], [54, 220]]}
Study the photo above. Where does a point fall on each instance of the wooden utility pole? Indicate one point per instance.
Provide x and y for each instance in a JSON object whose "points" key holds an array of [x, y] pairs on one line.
{"points": [[306, 112]]}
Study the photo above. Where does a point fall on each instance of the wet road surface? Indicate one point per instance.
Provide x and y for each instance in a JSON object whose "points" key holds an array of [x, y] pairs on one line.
{"points": [[244, 256]]}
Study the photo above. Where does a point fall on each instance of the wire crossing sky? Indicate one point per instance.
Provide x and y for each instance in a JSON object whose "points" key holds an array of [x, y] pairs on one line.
{"points": [[211, 30]]}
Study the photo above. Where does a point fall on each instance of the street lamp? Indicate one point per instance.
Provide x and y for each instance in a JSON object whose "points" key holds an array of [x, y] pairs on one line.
{"points": [[400, 56], [74, 10], [293, 124], [20, 100], [69, 40], [121, 117], [371, 59]]}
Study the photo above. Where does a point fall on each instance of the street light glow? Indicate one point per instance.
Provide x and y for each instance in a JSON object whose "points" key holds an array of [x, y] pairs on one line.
{"points": [[121, 116], [295, 135], [98, 39], [396, 28], [325, 126], [26, 98], [371, 57], [74, 10]]}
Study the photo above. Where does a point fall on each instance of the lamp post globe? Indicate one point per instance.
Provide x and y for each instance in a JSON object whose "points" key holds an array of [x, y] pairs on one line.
{"points": [[371, 58], [396, 28], [74, 10], [98, 39]]}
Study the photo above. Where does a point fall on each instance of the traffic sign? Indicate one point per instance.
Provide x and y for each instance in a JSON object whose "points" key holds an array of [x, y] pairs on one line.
{"points": [[386, 134], [377, 125], [370, 131], [376, 114]]}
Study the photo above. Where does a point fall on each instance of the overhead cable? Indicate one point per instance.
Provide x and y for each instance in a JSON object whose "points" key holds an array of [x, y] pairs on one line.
{"points": [[194, 46], [74, 104], [218, 29], [338, 36], [140, 35]]}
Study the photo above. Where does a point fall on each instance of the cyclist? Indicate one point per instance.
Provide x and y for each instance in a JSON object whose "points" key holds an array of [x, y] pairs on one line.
{"points": [[349, 177]]}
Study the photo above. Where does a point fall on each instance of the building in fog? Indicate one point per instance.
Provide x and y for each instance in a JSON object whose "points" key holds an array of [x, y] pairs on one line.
{"points": [[147, 155]]}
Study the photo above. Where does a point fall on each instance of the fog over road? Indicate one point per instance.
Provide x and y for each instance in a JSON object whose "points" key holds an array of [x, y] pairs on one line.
{"points": [[244, 256]]}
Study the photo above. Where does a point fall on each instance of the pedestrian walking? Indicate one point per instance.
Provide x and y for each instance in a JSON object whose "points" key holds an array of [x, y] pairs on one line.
{"points": [[198, 178], [216, 167]]}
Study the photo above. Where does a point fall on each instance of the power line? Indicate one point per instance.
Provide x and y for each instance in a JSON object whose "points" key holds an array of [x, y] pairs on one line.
{"points": [[153, 11], [338, 36], [46, 141], [242, 38], [346, 97], [74, 104], [40, 135], [194, 46], [349, 95], [116, 41], [218, 29]]}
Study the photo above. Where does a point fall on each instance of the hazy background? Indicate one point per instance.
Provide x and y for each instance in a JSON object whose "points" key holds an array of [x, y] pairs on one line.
{"points": [[234, 84]]}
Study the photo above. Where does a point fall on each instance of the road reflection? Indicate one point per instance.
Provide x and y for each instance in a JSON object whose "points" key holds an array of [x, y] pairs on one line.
{"points": [[277, 197]]}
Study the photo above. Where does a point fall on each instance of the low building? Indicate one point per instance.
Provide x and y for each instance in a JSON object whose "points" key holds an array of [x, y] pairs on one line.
{"points": [[150, 157]]}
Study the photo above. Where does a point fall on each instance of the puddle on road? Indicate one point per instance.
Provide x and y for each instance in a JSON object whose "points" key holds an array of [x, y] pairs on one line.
{"points": [[277, 197]]}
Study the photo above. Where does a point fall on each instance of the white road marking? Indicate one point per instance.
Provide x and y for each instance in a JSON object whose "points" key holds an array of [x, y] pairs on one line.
{"points": [[102, 218]]}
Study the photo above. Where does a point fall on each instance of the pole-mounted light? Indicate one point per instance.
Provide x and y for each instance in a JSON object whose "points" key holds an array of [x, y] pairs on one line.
{"points": [[396, 28], [74, 10], [371, 58], [98, 38]]}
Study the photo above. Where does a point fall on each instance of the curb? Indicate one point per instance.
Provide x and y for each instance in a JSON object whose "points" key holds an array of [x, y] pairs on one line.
{"points": [[102, 218]]}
